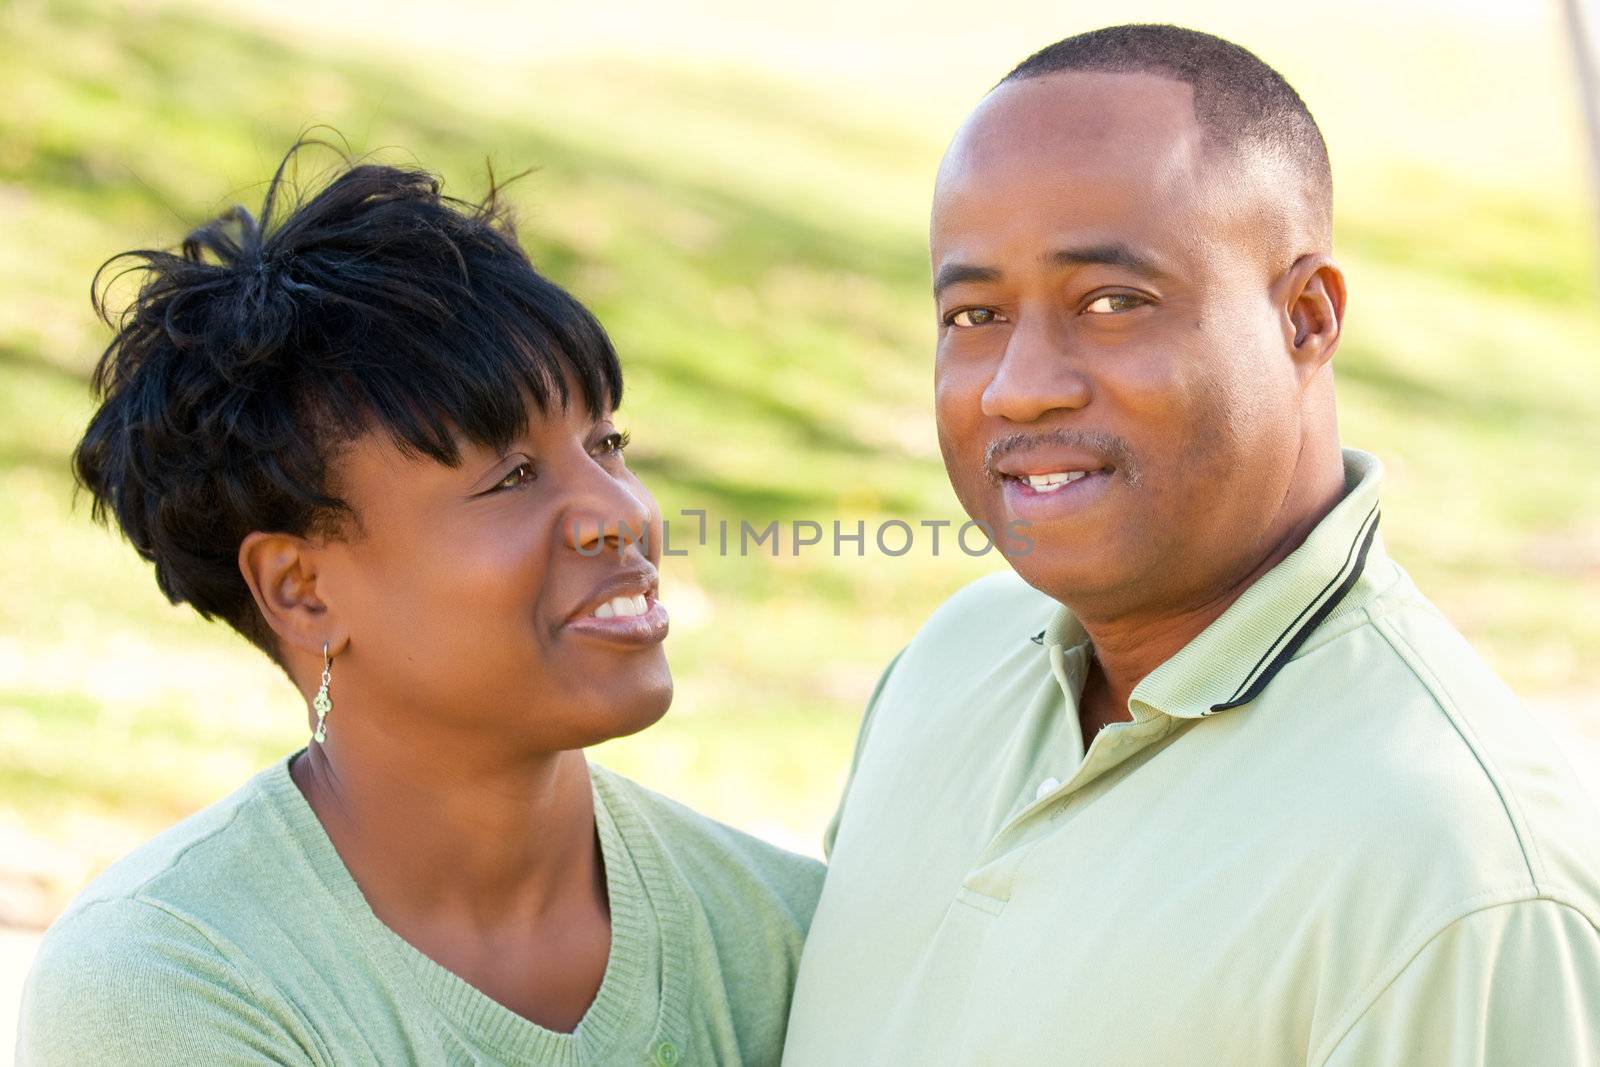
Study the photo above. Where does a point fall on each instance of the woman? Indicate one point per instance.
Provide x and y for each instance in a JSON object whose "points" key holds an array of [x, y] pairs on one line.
{"points": [[374, 440]]}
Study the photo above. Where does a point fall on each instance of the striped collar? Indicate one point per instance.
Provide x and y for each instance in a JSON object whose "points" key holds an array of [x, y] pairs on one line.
{"points": [[1234, 659]]}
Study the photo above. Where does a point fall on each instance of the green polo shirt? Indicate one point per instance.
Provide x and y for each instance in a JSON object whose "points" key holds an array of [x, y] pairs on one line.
{"points": [[1329, 835]]}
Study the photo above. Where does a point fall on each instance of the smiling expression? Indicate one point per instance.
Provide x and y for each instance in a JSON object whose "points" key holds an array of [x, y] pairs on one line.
{"points": [[1111, 363], [508, 594]]}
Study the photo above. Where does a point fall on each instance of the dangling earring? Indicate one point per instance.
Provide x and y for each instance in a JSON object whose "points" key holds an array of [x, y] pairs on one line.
{"points": [[323, 702]]}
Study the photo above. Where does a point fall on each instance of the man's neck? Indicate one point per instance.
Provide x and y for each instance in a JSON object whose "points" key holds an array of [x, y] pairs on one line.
{"points": [[1129, 646]]}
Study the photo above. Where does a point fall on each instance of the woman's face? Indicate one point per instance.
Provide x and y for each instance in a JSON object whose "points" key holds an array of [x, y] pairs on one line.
{"points": [[470, 594]]}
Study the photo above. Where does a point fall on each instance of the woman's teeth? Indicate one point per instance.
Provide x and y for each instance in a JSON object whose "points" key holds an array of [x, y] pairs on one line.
{"points": [[623, 606], [1049, 483]]}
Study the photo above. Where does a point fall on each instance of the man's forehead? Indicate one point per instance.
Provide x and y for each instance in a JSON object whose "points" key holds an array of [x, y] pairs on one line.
{"points": [[1101, 148], [1078, 110]]}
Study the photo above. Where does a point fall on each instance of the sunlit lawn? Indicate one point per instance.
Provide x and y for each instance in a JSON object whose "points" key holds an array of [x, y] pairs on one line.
{"points": [[757, 252]]}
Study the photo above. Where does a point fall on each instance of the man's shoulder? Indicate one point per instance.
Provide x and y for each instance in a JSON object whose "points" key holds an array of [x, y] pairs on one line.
{"points": [[1524, 777], [988, 616], [1420, 753], [1002, 594], [972, 667]]}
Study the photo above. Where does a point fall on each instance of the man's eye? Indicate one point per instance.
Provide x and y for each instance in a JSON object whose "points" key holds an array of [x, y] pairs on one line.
{"points": [[1112, 303], [973, 317], [522, 475]]}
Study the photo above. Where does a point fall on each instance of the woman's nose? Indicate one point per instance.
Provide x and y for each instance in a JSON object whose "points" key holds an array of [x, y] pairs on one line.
{"points": [[606, 511]]}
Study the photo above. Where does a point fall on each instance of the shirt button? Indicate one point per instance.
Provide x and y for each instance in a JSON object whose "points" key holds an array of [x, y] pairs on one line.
{"points": [[667, 1055], [1046, 787]]}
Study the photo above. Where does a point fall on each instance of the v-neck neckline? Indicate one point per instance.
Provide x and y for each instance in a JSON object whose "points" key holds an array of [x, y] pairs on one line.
{"points": [[644, 904]]}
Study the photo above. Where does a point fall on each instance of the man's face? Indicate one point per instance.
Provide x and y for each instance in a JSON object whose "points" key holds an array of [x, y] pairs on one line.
{"points": [[1111, 366]]}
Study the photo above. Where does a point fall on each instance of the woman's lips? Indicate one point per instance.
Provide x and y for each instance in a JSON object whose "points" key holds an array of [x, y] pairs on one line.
{"points": [[619, 621]]}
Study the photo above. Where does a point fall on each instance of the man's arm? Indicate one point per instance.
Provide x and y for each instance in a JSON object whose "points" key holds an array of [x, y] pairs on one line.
{"points": [[1516, 984]]}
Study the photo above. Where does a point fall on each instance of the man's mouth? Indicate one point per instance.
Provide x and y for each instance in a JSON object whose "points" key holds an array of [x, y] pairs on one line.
{"points": [[1049, 483], [1050, 461], [1034, 492], [1055, 475], [1035, 483]]}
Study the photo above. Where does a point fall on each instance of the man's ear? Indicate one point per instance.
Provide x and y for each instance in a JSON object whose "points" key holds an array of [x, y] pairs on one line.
{"points": [[1311, 298], [281, 571]]}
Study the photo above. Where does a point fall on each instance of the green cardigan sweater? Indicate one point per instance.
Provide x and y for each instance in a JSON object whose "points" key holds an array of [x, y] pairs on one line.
{"points": [[239, 937]]}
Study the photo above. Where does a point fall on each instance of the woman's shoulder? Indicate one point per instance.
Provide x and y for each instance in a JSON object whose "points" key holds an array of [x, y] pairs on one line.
{"points": [[132, 969], [722, 865], [193, 859], [127, 981]]}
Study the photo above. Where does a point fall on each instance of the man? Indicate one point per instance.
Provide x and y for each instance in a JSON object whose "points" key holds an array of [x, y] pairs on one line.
{"points": [[1212, 783]]}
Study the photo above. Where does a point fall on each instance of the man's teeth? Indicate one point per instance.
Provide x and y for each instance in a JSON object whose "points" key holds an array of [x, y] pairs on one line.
{"points": [[1049, 483], [623, 606]]}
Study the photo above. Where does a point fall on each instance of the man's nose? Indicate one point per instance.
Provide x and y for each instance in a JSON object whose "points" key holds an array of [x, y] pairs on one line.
{"points": [[1037, 374]]}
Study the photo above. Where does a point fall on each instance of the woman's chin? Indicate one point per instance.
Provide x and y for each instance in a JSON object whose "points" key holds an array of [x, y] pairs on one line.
{"points": [[645, 709], [621, 710]]}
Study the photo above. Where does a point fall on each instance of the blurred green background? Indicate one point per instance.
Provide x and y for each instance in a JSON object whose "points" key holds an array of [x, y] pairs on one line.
{"points": [[741, 193]]}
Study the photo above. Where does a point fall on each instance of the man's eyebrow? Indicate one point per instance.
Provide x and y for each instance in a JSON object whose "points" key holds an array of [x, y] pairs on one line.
{"points": [[1115, 254], [956, 273]]}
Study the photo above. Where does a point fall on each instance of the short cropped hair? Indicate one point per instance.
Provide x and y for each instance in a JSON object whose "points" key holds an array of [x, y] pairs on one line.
{"points": [[260, 346], [1240, 102]]}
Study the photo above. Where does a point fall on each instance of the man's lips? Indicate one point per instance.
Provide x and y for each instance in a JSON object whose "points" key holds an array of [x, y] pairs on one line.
{"points": [[1045, 468], [1051, 481], [1054, 495], [1047, 482]]}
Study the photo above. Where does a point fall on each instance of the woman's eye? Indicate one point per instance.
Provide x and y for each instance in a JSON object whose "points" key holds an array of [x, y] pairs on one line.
{"points": [[1112, 303], [973, 317], [522, 475], [615, 443]]}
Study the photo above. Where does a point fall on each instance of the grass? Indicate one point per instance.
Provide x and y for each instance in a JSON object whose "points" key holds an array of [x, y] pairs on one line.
{"points": [[756, 250]]}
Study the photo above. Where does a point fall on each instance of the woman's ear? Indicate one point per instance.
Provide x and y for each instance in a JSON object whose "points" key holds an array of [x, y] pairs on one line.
{"points": [[1311, 295], [281, 571]]}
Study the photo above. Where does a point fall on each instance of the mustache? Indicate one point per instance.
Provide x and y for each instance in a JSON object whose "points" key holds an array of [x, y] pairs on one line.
{"points": [[1110, 449]]}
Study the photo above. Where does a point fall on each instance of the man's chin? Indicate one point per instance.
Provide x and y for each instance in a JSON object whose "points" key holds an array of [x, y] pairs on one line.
{"points": [[1063, 572]]}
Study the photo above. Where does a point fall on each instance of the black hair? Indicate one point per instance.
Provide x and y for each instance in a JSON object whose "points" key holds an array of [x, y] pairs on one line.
{"points": [[260, 346], [1239, 101]]}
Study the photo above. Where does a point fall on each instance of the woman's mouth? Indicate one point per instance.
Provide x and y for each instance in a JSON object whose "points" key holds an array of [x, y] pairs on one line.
{"points": [[622, 607], [636, 620]]}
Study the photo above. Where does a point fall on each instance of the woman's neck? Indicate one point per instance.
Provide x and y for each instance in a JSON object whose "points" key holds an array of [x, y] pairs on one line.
{"points": [[490, 867], [428, 831]]}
